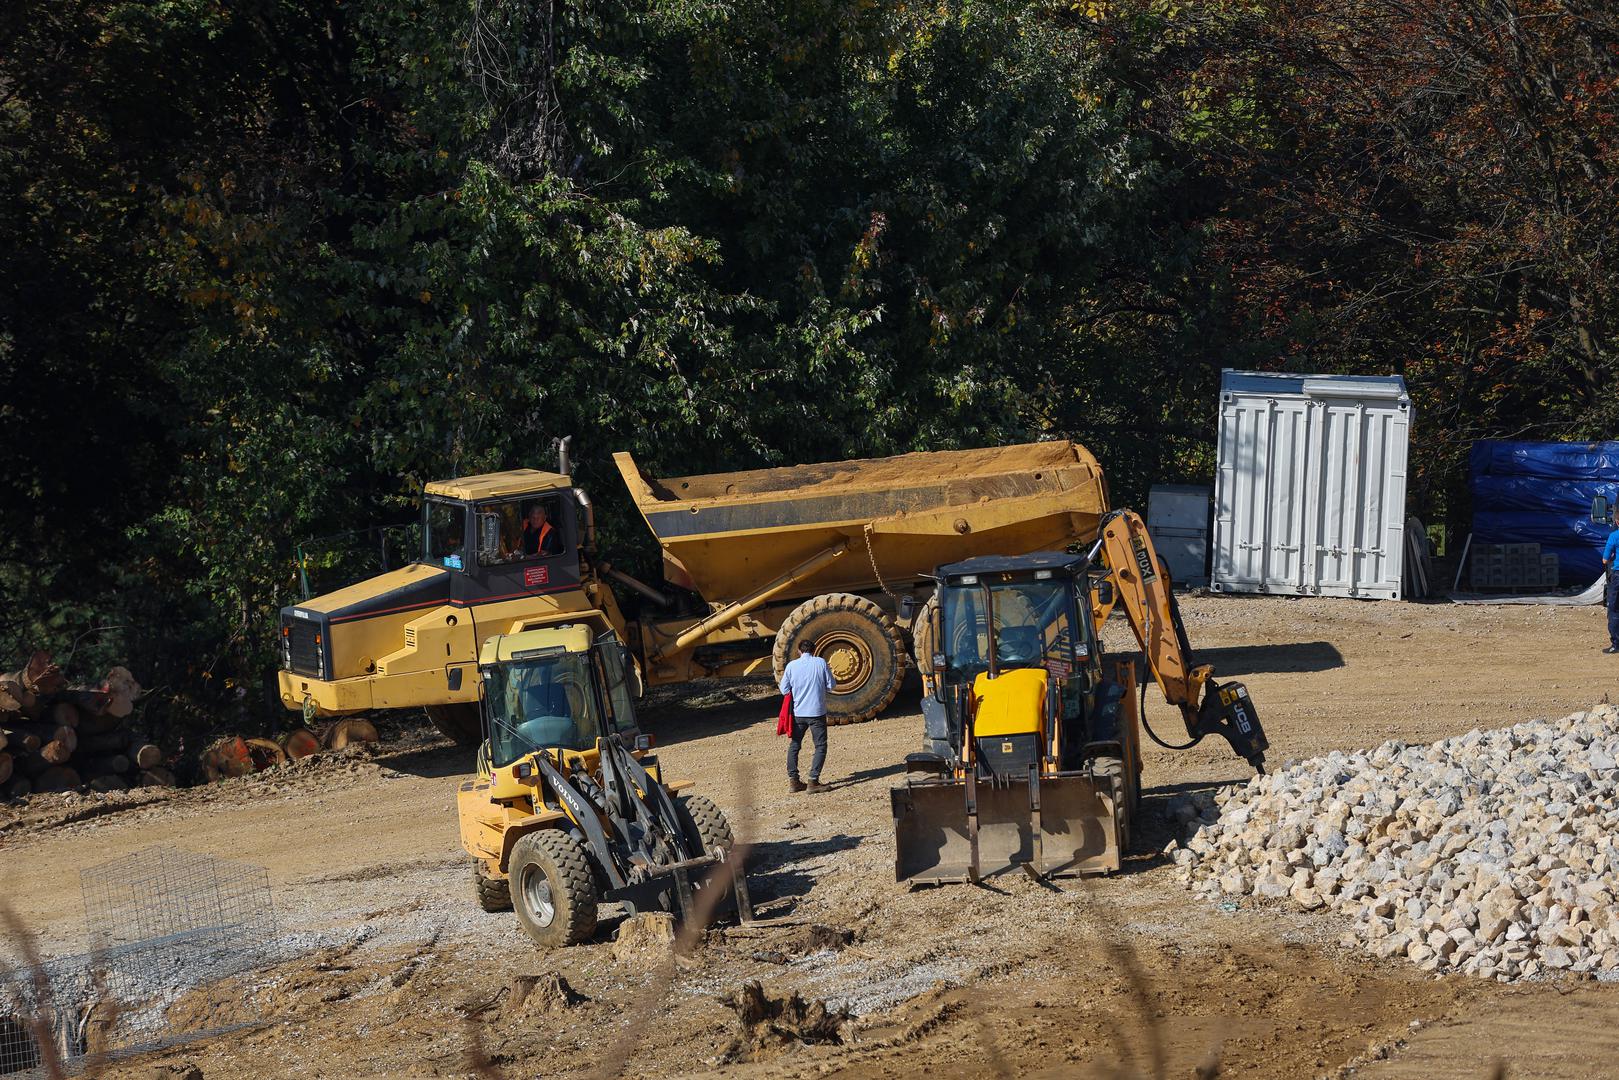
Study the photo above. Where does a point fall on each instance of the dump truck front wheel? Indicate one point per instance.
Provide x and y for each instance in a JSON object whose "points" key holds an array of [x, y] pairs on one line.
{"points": [[860, 643], [552, 889], [494, 894], [458, 722]]}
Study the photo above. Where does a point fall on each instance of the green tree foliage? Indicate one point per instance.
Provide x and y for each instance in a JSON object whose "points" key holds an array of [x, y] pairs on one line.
{"points": [[276, 264]]}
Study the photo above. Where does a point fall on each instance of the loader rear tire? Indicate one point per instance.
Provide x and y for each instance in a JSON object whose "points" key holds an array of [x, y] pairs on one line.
{"points": [[494, 894], [552, 888], [859, 641], [459, 722]]}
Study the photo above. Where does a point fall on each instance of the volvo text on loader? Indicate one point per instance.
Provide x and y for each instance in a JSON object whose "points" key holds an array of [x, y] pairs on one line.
{"points": [[570, 808], [1032, 755]]}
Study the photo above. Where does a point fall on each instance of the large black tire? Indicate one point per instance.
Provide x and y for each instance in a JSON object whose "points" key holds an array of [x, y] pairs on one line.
{"points": [[705, 823], [922, 644], [552, 888], [859, 641], [1127, 807], [459, 722], [494, 894]]}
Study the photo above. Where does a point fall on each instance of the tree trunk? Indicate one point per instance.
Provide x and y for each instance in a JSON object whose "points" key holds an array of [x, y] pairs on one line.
{"points": [[156, 778], [19, 786], [5, 767], [344, 732], [148, 757], [299, 743], [57, 778], [110, 742], [63, 714], [110, 782], [56, 753], [101, 766]]}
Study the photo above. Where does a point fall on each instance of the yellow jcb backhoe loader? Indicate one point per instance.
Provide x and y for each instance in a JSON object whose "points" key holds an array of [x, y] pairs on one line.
{"points": [[1032, 753], [570, 809]]}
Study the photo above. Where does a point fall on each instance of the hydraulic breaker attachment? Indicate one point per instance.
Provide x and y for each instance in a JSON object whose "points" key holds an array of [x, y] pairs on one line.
{"points": [[1228, 711]]}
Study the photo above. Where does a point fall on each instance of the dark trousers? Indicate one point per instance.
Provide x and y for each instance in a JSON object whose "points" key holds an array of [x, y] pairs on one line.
{"points": [[1613, 607], [816, 726]]}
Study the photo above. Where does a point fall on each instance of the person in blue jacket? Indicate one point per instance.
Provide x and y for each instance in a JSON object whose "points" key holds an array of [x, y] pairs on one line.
{"points": [[1610, 551]]}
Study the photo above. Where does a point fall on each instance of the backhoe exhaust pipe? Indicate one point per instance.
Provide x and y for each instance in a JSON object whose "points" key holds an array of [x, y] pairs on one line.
{"points": [[564, 460]]}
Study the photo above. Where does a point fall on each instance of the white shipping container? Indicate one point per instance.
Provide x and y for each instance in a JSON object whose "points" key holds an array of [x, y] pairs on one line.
{"points": [[1310, 484]]}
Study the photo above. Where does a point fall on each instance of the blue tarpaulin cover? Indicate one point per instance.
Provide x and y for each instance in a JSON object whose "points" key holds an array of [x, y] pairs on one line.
{"points": [[1540, 493]]}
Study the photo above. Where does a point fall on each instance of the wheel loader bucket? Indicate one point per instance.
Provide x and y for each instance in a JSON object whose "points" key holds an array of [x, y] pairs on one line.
{"points": [[1061, 825]]}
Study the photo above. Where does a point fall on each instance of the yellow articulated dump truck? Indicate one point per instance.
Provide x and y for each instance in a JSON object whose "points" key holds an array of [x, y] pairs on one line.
{"points": [[754, 562]]}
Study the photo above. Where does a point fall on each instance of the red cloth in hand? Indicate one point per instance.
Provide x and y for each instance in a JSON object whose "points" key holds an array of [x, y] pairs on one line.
{"points": [[784, 721]]}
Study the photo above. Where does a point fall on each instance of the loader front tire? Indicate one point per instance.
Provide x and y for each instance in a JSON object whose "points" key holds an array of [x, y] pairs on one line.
{"points": [[860, 643], [705, 823], [494, 894], [552, 888], [458, 721], [1125, 810]]}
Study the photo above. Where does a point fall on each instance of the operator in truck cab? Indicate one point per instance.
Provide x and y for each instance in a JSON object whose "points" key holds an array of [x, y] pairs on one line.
{"points": [[538, 538]]}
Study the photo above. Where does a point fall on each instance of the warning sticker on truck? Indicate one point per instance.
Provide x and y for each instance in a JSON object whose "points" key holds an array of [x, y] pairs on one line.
{"points": [[536, 575]]}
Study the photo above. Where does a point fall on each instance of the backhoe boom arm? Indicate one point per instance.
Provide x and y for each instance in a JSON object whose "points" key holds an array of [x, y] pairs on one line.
{"points": [[1141, 582]]}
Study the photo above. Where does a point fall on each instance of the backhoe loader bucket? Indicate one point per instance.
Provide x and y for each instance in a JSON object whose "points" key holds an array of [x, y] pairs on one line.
{"points": [[1060, 825]]}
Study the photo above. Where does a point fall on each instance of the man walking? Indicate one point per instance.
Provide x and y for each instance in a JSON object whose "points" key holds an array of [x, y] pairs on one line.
{"points": [[1610, 551], [807, 679]]}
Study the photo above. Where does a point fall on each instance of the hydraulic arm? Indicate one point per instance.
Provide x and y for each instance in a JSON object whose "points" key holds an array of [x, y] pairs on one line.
{"points": [[1138, 579]]}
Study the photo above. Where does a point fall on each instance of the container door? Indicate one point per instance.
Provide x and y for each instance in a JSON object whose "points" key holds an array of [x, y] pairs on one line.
{"points": [[1260, 493], [1357, 513]]}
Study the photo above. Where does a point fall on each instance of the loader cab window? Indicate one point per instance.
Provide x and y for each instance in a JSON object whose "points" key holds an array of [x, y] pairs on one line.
{"points": [[544, 703], [618, 683], [1033, 624], [444, 534]]}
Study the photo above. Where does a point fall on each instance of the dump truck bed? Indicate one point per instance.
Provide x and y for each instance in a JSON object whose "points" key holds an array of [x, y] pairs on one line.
{"points": [[723, 534]]}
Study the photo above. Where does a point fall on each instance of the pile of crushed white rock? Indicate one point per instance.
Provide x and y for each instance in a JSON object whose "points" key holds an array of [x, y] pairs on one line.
{"points": [[1495, 853]]}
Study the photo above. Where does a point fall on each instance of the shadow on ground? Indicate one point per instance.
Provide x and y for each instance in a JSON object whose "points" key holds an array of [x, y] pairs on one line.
{"points": [[1297, 656]]}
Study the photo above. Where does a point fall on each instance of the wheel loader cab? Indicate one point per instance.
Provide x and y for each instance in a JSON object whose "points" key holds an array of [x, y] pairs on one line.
{"points": [[1021, 657], [557, 689]]}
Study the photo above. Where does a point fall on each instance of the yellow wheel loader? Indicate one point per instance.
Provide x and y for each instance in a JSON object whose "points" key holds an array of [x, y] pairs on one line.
{"points": [[1032, 755], [570, 809]]}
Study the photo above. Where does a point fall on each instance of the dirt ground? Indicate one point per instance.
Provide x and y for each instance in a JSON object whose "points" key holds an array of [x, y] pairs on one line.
{"points": [[395, 972]]}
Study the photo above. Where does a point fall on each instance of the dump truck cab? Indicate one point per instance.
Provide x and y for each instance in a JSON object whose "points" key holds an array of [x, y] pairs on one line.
{"points": [[411, 637], [570, 808]]}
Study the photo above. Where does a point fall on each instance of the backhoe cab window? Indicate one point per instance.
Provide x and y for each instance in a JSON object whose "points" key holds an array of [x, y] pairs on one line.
{"points": [[1033, 623], [541, 704], [521, 530], [444, 535]]}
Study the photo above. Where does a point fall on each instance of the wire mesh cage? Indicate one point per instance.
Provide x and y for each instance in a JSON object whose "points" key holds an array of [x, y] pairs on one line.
{"points": [[162, 928]]}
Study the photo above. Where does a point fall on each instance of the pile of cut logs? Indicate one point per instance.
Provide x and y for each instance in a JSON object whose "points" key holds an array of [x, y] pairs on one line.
{"points": [[234, 755], [56, 737]]}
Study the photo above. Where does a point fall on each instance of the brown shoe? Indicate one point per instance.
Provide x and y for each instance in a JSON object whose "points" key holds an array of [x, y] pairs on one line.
{"points": [[797, 785], [815, 786]]}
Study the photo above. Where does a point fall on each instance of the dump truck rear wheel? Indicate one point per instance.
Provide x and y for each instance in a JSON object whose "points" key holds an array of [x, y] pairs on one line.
{"points": [[494, 894], [860, 643], [458, 722], [552, 889]]}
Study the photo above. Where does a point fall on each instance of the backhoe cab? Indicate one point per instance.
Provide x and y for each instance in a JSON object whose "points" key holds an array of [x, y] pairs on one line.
{"points": [[570, 809], [1032, 756]]}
